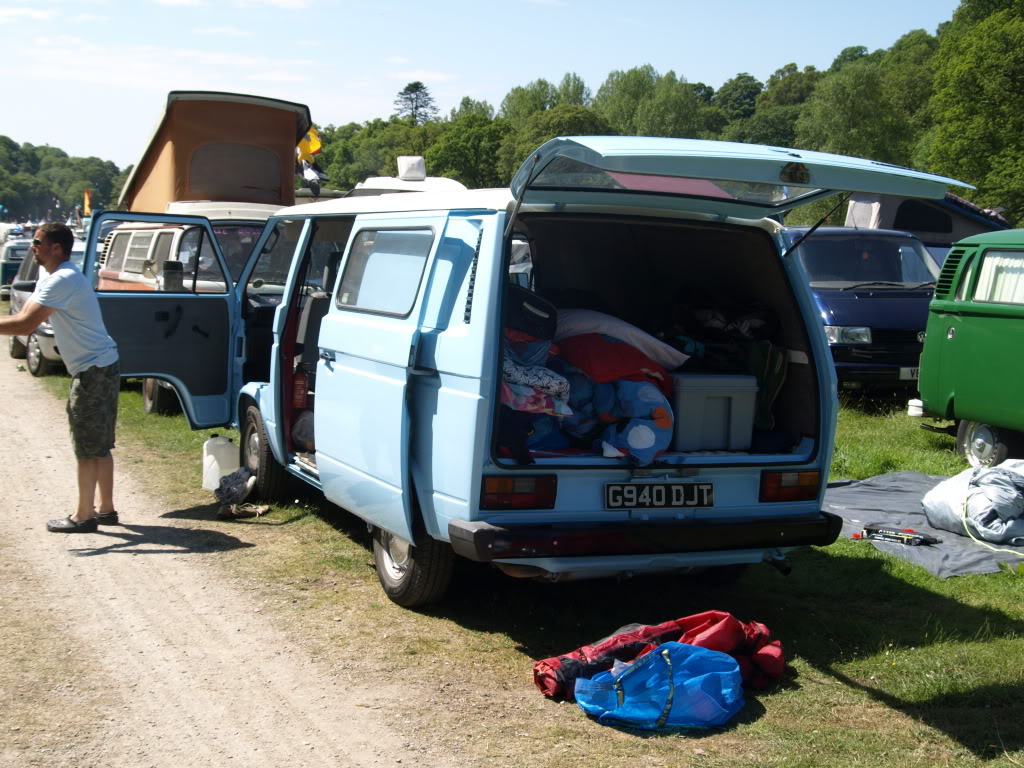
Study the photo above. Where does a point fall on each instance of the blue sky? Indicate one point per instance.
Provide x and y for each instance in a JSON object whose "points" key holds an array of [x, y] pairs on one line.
{"points": [[92, 76]]}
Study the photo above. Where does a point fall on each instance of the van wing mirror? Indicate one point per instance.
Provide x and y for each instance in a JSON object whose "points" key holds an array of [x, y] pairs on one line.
{"points": [[24, 285]]}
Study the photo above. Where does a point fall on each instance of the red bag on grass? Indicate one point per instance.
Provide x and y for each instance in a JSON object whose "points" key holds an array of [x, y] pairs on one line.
{"points": [[760, 658]]}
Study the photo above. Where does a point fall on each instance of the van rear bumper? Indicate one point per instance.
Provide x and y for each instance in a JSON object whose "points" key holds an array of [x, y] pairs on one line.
{"points": [[484, 542]]}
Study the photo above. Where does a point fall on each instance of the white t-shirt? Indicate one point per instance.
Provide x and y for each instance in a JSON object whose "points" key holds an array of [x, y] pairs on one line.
{"points": [[77, 323]]}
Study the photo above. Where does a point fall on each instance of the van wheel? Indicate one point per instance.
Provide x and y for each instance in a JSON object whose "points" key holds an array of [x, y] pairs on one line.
{"points": [[36, 363], [982, 444], [257, 457], [157, 399], [412, 575], [15, 348]]}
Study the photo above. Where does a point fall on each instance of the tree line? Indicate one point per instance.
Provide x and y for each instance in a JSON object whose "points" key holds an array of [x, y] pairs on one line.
{"points": [[950, 103], [40, 183]]}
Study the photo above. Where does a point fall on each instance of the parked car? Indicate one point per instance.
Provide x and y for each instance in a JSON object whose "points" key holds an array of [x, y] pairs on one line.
{"points": [[39, 349], [361, 352], [971, 367], [12, 254], [872, 288]]}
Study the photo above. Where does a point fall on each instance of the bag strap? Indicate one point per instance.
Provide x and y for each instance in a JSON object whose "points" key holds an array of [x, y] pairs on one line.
{"points": [[620, 694]]}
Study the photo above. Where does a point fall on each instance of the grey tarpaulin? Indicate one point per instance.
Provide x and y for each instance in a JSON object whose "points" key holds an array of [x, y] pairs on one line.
{"points": [[895, 499]]}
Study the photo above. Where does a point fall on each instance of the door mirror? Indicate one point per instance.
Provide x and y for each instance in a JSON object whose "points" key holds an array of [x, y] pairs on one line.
{"points": [[24, 285]]}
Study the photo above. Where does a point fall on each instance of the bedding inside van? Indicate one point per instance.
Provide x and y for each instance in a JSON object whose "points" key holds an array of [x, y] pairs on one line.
{"points": [[644, 308]]}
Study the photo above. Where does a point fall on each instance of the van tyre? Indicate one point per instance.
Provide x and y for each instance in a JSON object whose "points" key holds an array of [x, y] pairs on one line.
{"points": [[35, 362], [256, 456], [984, 445], [412, 575], [15, 348], [157, 399]]}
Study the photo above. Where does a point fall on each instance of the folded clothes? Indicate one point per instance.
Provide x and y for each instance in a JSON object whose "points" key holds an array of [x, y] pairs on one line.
{"points": [[536, 376], [519, 397]]}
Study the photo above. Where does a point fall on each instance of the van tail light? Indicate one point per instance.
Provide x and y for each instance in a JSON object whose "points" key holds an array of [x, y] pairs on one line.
{"points": [[300, 387], [790, 486], [526, 492]]}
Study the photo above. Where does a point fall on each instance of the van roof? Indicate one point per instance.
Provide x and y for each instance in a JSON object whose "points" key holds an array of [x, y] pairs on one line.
{"points": [[483, 199], [214, 145], [1002, 237]]}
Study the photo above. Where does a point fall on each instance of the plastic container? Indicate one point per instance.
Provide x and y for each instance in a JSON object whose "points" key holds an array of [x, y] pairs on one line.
{"points": [[713, 412], [220, 457]]}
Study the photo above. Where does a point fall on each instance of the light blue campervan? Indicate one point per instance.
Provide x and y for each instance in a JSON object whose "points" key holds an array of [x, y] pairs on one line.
{"points": [[361, 352]]}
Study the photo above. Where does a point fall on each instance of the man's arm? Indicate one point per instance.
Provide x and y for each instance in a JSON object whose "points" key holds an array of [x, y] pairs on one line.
{"points": [[26, 321]]}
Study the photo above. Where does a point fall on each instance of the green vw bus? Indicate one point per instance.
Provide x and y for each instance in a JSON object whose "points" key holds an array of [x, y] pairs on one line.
{"points": [[972, 368]]}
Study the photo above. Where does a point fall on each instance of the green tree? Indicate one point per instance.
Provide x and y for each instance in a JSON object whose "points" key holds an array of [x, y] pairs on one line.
{"points": [[850, 114], [788, 86], [848, 56], [470, 106], [415, 103], [619, 98], [738, 96], [468, 150], [672, 109], [571, 90], [525, 100], [563, 120], [978, 104], [908, 74], [773, 125]]}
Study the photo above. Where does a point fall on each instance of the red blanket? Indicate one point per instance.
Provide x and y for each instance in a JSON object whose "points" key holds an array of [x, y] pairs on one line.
{"points": [[760, 658]]}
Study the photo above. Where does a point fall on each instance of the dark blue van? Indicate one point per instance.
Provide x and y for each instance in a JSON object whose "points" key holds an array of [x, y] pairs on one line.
{"points": [[872, 288]]}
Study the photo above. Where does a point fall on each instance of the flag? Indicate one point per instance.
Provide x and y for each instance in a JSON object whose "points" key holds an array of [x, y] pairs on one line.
{"points": [[309, 146], [87, 207]]}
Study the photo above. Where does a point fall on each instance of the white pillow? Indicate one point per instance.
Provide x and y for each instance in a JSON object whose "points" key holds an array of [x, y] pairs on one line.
{"points": [[574, 322]]}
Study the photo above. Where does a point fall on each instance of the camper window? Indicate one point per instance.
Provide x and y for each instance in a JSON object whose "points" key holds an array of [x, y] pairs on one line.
{"points": [[383, 271]]}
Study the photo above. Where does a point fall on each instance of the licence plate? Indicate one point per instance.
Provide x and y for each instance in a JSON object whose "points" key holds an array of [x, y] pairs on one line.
{"points": [[910, 374], [658, 495]]}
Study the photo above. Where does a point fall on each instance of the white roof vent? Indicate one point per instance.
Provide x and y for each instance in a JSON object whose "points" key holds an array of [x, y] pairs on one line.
{"points": [[411, 168]]}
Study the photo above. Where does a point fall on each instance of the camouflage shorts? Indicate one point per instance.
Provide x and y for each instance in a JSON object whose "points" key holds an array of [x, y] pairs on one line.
{"points": [[92, 411]]}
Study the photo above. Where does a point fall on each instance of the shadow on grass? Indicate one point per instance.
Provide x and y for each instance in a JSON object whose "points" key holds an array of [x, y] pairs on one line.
{"points": [[159, 540], [832, 610]]}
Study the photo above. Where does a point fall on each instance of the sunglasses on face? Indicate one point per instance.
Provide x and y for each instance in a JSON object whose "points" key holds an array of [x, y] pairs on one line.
{"points": [[36, 243]]}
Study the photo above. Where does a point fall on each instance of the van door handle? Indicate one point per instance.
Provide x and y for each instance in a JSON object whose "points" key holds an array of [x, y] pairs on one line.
{"points": [[165, 317]]}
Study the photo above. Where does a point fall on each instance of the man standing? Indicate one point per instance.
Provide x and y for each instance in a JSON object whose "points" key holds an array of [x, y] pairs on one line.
{"points": [[67, 300]]}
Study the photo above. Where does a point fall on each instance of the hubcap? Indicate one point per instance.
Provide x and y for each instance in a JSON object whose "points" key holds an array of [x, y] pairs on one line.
{"points": [[252, 450], [981, 444], [396, 555], [35, 354]]}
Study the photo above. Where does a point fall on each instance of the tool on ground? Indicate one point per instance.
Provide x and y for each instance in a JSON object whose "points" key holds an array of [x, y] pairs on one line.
{"points": [[908, 536]]}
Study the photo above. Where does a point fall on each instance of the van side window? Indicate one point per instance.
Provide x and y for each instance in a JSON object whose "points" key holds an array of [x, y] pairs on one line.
{"points": [[162, 251], [384, 270], [201, 273], [115, 256], [1001, 277], [266, 283], [961, 291], [138, 252], [520, 268]]}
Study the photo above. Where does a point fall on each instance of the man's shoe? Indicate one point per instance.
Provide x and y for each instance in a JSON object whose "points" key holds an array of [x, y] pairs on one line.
{"points": [[107, 518], [67, 525]]}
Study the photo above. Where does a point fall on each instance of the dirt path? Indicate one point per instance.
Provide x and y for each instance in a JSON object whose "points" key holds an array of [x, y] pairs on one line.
{"points": [[122, 650]]}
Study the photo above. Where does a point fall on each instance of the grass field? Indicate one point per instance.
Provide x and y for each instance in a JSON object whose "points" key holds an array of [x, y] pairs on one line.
{"points": [[887, 665]]}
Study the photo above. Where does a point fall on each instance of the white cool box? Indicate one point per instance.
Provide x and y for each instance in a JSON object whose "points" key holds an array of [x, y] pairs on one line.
{"points": [[713, 412]]}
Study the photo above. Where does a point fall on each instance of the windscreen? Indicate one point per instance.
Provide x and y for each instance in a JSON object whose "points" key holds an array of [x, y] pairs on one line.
{"points": [[236, 242], [867, 259]]}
